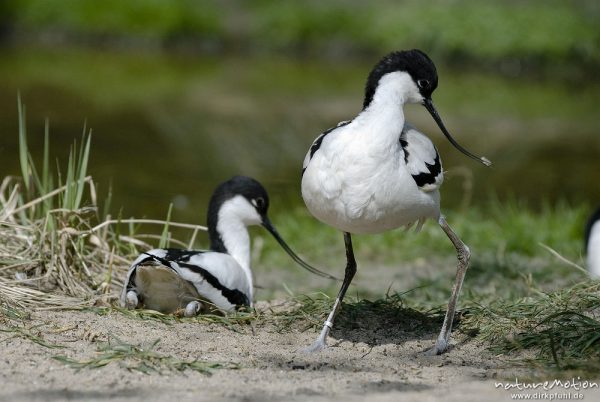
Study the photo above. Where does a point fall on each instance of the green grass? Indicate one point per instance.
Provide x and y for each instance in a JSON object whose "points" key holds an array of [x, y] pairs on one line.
{"points": [[58, 250], [309, 311], [14, 323], [518, 297], [151, 19], [503, 237], [240, 100], [54, 218], [33, 333], [561, 328], [549, 32], [10, 312], [142, 358]]}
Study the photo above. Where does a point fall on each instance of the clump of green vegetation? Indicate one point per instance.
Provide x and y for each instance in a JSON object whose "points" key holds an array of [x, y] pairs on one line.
{"points": [[9, 312], [57, 249], [153, 20], [39, 226], [507, 240], [498, 34], [15, 324], [21, 331], [142, 358], [309, 311], [561, 327]]}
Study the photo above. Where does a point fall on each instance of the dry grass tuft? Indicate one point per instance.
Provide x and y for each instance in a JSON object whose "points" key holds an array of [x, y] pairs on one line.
{"points": [[57, 250]]}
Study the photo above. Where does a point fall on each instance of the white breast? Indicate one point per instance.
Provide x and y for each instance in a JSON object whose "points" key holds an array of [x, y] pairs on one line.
{"points": [[358, 182]]}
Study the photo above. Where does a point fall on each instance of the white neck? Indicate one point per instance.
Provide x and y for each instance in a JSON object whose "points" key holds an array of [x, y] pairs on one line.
{"points": [[593, 251], [384, 116], [234, 233]]}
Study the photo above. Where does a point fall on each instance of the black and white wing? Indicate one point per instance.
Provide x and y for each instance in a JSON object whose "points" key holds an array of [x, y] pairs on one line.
{"points": [[215, 277], [317, 143], [422, 159], [149, 259]]}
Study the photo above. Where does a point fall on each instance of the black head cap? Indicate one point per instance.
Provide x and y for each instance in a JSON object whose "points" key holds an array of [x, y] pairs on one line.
{"points": [[245, 186], [416, 63]]}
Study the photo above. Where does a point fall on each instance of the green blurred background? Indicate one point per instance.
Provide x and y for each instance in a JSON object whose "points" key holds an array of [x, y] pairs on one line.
{"points": [[183, 94]]}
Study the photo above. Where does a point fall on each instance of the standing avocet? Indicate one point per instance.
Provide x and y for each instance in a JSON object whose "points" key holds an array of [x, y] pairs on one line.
{"points": [[592, 244], [375, 172], [170, 279]]}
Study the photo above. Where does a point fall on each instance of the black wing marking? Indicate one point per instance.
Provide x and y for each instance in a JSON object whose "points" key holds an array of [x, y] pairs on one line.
{"points": [[233, 296], [172, 254], [132, 276], [131, 282], [429, 177], [180, 255], [422, 172], [317, 143], [404, 145]]}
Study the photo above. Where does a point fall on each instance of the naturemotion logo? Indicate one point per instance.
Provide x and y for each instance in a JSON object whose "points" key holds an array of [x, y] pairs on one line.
{"points": [[572, 384]]}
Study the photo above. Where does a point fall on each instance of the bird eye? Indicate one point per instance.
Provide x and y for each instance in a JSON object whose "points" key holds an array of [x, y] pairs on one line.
{"points": [[259, 202], [423, 84]]}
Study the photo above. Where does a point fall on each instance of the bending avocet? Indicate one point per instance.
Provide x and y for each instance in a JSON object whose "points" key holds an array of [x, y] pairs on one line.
{"points": [[376, 172]]}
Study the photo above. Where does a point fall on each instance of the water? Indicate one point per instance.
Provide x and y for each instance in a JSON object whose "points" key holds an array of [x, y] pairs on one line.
{"points": [[169, 128]]}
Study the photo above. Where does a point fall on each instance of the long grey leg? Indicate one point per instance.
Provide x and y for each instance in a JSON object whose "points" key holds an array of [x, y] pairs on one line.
{"points": [[463, 254], [320, 343]]}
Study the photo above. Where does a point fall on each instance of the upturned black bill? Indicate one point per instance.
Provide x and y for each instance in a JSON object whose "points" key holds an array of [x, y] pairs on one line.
{"points": [[267, 225], [428, 103]]}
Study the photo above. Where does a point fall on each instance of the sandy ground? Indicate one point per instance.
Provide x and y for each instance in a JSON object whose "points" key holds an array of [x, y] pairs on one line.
{"points": [[374, 363], [370, 358]]}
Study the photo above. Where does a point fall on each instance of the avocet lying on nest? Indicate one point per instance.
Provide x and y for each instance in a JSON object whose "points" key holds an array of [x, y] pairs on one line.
{"points": [[167, 280]]}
